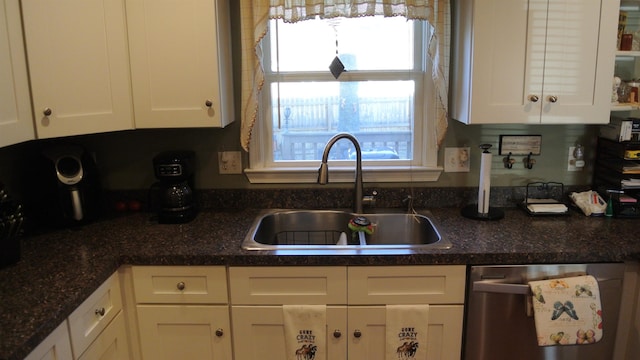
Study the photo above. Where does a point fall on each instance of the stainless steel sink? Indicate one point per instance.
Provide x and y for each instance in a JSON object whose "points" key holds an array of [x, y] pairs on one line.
{"points": [[324, 230]]}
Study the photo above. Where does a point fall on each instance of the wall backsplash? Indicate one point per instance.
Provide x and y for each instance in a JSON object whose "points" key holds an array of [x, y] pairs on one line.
{"points": [[125, 157]]}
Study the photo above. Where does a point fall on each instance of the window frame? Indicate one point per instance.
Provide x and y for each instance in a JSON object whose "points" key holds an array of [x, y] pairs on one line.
{"points": [[422, 168]]}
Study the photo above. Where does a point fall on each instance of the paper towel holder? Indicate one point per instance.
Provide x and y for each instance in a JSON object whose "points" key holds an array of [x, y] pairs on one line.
{"points": [[487, 213]]}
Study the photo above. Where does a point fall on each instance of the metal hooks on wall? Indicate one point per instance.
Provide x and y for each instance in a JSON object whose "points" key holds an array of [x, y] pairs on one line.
{"points": [[529, 162]]}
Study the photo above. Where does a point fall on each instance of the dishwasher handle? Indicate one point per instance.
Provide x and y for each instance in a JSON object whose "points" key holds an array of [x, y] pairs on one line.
{"points": [[502, 288], [491, 286]]}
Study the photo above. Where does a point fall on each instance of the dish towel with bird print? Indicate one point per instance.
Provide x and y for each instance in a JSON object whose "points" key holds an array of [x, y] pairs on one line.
{"points": [[305, 331], [567, 311], [406, 332]]}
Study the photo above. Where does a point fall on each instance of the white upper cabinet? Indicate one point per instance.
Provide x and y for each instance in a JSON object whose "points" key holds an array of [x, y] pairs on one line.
{"points": [[180, 63], [79, 66], [533, 61], [16, 120]]}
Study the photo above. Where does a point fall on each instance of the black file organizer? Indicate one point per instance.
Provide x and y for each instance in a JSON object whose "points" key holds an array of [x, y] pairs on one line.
{"points": [[617, 172]]}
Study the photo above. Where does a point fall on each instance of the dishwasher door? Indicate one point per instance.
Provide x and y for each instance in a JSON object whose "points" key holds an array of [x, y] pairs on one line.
{"points": [[499, 317]]}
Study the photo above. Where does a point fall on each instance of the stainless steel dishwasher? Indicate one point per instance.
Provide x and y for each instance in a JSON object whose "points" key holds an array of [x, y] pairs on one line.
{"points": [[500, 322]]}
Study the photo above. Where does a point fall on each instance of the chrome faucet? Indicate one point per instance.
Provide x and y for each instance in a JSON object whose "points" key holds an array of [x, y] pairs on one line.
{"points": [[323, 171]]}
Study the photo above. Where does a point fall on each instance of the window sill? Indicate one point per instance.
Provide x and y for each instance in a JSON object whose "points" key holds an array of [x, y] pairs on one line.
{"points": [[343, 175]]}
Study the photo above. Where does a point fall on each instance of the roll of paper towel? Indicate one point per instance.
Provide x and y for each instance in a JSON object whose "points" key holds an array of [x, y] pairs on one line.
{"points": [[484, 187]]}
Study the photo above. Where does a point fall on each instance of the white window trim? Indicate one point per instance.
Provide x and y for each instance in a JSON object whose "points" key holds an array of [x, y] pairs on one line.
{"points": [[427, 170]]}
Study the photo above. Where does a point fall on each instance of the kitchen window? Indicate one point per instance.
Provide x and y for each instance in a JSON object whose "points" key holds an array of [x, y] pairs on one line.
{"points": [[385, 97]]}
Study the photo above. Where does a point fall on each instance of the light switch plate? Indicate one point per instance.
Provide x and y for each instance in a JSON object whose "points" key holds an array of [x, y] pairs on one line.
{"points": [[230, 162]]}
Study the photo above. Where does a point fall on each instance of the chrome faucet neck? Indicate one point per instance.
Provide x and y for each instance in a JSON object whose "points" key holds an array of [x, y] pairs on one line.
{"points": [[323, 171]]}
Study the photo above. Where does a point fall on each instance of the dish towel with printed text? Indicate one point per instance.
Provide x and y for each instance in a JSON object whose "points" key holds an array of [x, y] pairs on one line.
{"points": [[305, 330], [567, 311], [406, 332]]}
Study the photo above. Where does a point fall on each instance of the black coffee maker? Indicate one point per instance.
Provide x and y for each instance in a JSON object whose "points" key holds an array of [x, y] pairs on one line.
{"points": [[175, 186]]}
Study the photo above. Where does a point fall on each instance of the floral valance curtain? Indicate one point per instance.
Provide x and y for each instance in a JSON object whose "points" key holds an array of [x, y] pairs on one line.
{"points": [[255, 15], [296, 10]]}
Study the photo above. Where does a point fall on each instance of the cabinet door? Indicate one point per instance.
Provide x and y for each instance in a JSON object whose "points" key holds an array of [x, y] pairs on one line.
{"points": [[184, 332], [112, 344], [444, 335], [492, 54], [535, 62], [94, 314], [180, 63], [259, 332], [16, 121], [579, 61], [56, 346], [79, 66]]}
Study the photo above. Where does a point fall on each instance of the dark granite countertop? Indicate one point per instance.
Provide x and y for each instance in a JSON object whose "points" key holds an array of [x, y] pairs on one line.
{"points": [[60, 269]]}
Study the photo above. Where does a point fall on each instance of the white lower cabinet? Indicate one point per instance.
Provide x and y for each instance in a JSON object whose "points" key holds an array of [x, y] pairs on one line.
{"points": [[444, 332], [188, 312], [112, 344], [184, 332], [94, 315], [94, 331], [182, 312], [356, 313], [258, 332], [56, 346]]}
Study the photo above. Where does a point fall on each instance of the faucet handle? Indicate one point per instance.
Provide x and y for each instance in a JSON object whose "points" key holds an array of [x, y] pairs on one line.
{"points": [[370, 200]]}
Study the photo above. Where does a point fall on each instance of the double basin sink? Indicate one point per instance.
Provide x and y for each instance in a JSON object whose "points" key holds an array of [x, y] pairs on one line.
{"points": [[330, 230]]}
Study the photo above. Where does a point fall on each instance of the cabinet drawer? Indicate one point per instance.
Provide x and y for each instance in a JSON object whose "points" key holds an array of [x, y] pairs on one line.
{"points": [[180, 284], [288, 285], [370, 285], [94, 314]]}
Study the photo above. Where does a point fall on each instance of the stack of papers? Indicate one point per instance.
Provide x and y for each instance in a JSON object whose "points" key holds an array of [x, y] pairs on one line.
{"points": [[630, 183], [548, 206], [630, 167]]}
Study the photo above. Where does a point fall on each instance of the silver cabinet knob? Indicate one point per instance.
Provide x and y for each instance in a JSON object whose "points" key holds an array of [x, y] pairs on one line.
{"points": [[100, 312], [181, 285], [336, 333], [357, 333], [553, 98], [208, 103], [47, 111], [219, 332], [534, 98]]}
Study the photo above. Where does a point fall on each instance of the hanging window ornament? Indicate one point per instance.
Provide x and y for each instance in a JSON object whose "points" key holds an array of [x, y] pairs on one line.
{"points": [[336, 67]]}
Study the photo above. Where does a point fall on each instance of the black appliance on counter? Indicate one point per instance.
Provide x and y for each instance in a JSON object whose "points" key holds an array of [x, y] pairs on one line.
{"points": [[175, 187], [11, 221], [67, 186]]}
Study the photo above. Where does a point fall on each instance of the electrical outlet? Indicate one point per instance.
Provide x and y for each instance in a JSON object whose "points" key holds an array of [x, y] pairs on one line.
{"points": [[572, 163], [230, 162]]}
